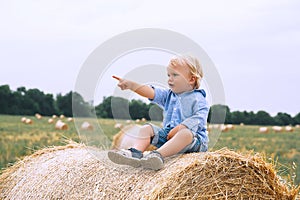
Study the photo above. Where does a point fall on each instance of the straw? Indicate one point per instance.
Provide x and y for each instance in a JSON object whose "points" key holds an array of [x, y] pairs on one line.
{"points": [[75, 171]]}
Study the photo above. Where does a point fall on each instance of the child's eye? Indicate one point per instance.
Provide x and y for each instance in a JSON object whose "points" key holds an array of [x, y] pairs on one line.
{"points": [[175, 75]]}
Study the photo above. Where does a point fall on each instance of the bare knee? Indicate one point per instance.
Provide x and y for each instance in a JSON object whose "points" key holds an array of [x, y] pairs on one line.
{"points": [[184, 134], [146, 131]]}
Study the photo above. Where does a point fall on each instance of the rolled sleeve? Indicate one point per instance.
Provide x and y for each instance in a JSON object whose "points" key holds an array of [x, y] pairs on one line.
{"points": [[198, 119]]}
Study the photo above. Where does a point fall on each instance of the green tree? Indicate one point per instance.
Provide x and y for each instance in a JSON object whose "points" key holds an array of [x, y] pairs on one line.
{"points": [[263, 118], [249, 118], [44, 103], [5, 98], [77, 106], [103, 110], [64, 104], [155, 112], [244, 117], [113, 107], [283, 119], [17, 102], [138, 109], [120, 108], [37, 97], [48, 107], [296, 119], [219, 114], [237, 117]]}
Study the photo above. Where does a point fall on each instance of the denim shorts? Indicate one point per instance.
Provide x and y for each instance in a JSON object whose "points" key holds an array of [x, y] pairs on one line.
{"points": [[160, 138]]}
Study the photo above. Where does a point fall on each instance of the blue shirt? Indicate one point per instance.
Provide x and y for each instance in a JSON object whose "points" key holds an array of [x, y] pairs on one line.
{"points": [[188, 108]]}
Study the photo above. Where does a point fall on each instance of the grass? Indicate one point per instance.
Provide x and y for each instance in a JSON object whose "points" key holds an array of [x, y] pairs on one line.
{"points": [[18, 140], [282, 149]]}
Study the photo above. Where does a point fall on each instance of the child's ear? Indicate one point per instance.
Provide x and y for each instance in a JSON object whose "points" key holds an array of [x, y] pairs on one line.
{"points": [[192, 80]]}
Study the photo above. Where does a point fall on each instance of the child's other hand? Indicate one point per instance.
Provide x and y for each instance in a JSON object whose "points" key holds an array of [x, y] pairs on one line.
{"points": [[174, 131], [123, 83]]}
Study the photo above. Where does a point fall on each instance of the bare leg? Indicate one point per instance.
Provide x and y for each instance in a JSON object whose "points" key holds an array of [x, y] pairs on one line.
{"points": [[182, 138], [143, 140], [140, 142]]}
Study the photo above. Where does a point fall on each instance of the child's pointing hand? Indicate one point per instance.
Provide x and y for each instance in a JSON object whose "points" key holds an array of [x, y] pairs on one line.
{"points": [[123, 83]]}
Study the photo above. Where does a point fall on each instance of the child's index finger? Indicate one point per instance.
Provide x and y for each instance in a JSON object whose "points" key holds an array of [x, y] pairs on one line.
{"points": [[115, 77]]}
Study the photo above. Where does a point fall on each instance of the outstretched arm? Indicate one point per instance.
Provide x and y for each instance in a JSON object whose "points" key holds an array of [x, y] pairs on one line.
{"points": [[142, 90]]}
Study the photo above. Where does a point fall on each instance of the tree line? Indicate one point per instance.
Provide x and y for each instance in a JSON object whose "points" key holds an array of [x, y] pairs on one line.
{"points": [[250, 118], [116, 107], [31, 101]]}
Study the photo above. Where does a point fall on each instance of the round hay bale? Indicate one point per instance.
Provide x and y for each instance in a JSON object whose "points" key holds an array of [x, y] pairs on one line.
{"points": [[28, 121], [23, 119], [224, 128], [277, 129], [38, 116], [59, 125], [50, 121], [70, 119], [123, 139], [289, 129], [86, 126], [118, 126], [263, 129], [74, 172]]}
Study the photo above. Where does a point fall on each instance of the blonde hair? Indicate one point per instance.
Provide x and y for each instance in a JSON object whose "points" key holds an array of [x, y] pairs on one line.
{"points": [[194, 65]]}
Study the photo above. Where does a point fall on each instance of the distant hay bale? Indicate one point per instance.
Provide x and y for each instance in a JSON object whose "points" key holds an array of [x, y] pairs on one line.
{"points": [[230, 126], [54, 116], [143, 119], [277, 129], [61, 125], [118, 125], [124, 139], [62, 116], [50, 121], [28, 121], [224, 128], [263, 129], [38, 116], [289, 129], [73, 172], [70, 119], [86, 126], [23, 119]]}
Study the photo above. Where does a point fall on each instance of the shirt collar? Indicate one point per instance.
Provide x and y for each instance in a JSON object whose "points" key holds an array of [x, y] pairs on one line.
{"points": [[202, 91]]}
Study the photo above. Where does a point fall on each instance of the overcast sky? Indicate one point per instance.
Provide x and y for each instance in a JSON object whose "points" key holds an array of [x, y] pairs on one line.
{"points": [[254, 45]]}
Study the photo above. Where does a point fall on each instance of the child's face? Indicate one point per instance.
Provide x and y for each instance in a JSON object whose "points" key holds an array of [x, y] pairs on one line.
{"points": [[180, 79]]}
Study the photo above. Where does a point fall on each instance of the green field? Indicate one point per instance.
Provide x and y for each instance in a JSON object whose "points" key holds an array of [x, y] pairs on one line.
{"points": [[18, 140]]}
